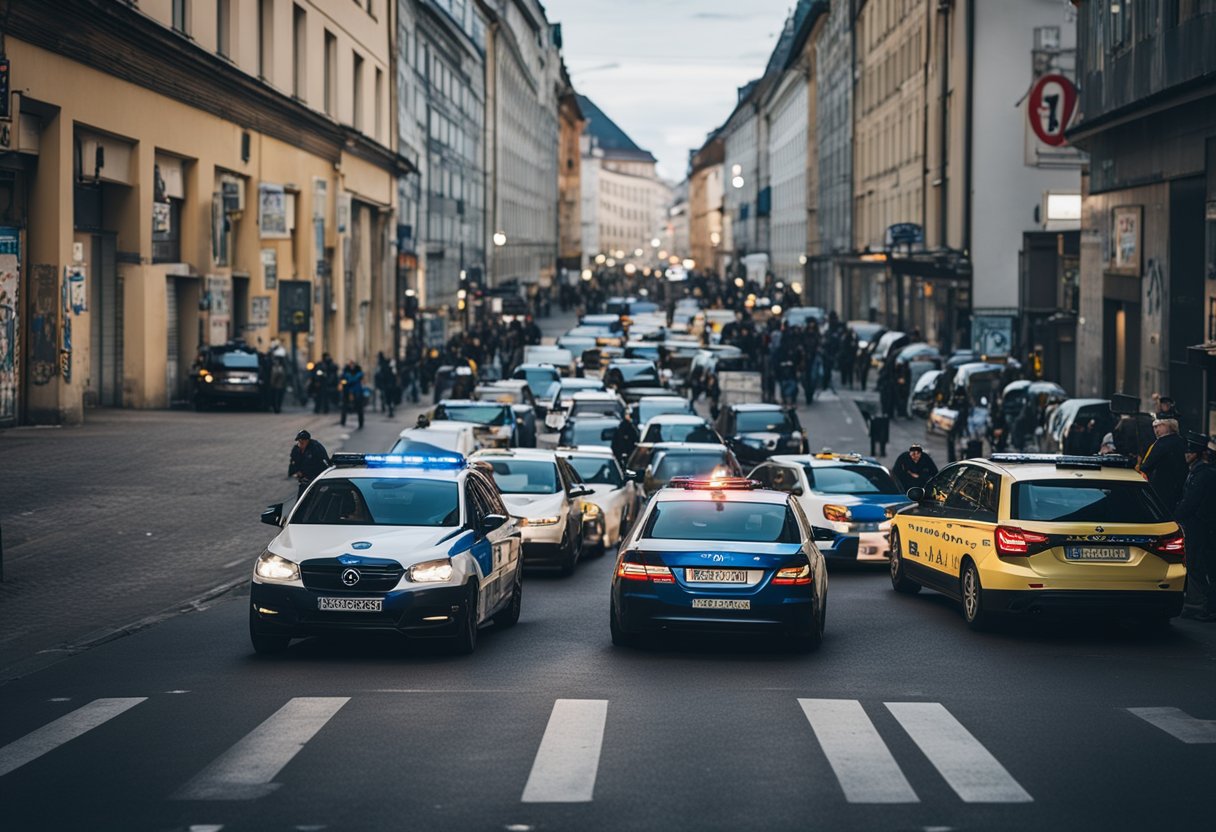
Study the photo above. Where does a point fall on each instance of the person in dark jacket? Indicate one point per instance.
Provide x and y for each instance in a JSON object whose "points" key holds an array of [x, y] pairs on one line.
{"points": [[353, 396], [624, 440], [1197, 515], [309, 459], [1165, 463], [913, 468]]}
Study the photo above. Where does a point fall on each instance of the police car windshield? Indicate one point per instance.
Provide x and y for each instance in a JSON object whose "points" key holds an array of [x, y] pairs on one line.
{"points": [[852, 479], [722, 520], [596, 470], [481, 414], [369, 501], [765, 421], [1086, 501], [699, 464], [525, 476], [239, 360], [648, 410], [680, 433], [588, 432]]}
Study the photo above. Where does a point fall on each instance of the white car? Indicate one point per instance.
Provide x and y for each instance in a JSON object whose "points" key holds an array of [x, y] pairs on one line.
{"points": [[415, 544], [849, 499], [678, 427], [547, 495], [458, 437], [614, 497]]}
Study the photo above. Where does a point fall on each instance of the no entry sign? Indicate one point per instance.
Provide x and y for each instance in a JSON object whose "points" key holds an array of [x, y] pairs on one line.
{"points": [[1053, 100]]}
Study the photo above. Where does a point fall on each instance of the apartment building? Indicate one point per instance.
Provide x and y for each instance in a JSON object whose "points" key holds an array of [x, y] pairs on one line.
{"points": [[705, 204]]}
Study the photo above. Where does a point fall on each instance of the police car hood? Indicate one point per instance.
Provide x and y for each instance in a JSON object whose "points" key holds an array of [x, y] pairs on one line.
{"points": [[866, 508], [405, 544], [534, 505]]}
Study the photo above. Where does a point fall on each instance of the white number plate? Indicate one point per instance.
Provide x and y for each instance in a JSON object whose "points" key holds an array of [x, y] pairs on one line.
{"points": [[721, 604], [715, 576], [1098, 553], [350, 604]]}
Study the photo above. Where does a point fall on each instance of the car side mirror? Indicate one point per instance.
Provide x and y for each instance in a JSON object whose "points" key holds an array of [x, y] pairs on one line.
{"points": [[273, 515], [917, 494], [581, 491], [820, 533], [796, 490], [491, 522]]}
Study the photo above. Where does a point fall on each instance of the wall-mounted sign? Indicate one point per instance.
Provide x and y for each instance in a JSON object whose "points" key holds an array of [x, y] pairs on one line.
{"points": [[77, 295], [1053, 102], [270, 268], [1126, 238], [259, 312], [272, 211], [295, 305], [905, 234]]}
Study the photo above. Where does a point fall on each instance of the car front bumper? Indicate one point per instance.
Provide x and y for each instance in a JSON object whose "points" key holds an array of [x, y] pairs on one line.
{"points": [[293, 611]]}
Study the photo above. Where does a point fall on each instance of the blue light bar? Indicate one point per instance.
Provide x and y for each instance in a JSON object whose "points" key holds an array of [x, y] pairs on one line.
{"points": [[446, 461]]}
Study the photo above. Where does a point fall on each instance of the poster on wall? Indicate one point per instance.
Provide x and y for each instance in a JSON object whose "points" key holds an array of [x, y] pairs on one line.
{"points": [[270, 268], [259, 312], [77, 295], [219, 292], [10, 305], [272, 211], [162, 218], [992, 335], [1126, 222], [44, 324]]}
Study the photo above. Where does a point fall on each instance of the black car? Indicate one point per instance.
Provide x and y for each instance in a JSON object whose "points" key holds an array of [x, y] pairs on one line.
{"points": [[634, 378], [757, 431], [230, 374]]}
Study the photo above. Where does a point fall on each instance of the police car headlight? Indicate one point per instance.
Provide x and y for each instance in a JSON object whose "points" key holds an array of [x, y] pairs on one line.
{"points": [[272, 567], [431, 571], [541, 521], [836, 514]]}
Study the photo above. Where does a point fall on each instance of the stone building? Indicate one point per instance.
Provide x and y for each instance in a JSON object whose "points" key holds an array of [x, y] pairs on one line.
{"points": [[569, 181], [705, 204], [833, 141]]}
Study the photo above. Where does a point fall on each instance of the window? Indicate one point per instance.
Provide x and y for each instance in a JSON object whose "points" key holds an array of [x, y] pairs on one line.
{"points": [[331, 72], [265, 38], [723, 521], [223, 28], [181, 16], [357, 114], [377, 104], [1086, 501], [379, 502], [299, 31]]}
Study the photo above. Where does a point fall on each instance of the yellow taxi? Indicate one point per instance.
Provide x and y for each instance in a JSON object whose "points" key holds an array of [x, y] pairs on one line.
{"points": [[1022, 533]]}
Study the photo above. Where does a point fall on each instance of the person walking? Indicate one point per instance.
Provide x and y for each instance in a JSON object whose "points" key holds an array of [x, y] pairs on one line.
{"points": [[326, 375], [1165, 463], [913, 468], [277, 383], [352, 391], [309, 459], [1197, 515]]}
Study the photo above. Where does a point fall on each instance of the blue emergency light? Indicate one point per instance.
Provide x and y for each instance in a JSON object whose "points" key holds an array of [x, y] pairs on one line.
{"points": [[444, 461]]}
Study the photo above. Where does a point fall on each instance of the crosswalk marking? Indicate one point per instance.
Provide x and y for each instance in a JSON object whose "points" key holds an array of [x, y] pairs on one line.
{"points": [[969, 768], [569, 755], [68, 727], [1179, 724], [245, 770], [859, 758]]}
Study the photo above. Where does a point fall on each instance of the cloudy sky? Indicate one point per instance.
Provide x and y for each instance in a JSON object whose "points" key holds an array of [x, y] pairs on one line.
{"points": [[666, 71]]}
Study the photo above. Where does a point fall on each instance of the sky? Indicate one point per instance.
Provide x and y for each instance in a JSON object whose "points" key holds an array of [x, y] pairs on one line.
{"points": [[666, 71]]}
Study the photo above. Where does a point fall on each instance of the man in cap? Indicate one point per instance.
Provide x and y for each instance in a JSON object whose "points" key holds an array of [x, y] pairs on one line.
{"points": [[1165, 463], [308, 460], [913, 468], [1197, 515]]}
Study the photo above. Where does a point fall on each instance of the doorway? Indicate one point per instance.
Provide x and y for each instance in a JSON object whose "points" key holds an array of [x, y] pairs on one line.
{"points": [[105, 337], [1121, 347]]}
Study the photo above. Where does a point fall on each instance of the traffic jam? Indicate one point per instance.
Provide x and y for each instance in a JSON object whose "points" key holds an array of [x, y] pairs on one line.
{"points": [[719, 512]]}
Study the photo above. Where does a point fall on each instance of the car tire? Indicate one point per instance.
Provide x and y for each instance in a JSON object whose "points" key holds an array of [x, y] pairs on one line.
{"points": [[265, 644], [620, 637], [971, 594], [508, 616], [899, 581], [465, 641], [569, 555], [810, 642]]}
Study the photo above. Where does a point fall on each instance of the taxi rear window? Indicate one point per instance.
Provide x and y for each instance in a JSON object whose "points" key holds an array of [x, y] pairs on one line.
{"points": [[717, 520], [1086, 501]]}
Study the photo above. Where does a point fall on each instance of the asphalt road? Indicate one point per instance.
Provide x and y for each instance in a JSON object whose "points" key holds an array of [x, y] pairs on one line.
{"points": [[903, 720]]}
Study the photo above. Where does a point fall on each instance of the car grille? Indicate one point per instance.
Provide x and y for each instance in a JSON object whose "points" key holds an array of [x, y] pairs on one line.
{"points": [[328, 577]]}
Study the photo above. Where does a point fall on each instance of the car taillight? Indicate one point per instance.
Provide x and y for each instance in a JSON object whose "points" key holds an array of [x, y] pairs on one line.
{"points": [[793, 575], [631, 568], [1170, 547], [1012, 542]]}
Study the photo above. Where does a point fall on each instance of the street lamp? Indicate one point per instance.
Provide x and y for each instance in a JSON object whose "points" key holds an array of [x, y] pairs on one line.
{"points": [[656, 242], [500, 239], [586, 275], [599, 258], [637, 252], [737, 181], [690, 264], [801, 259]]}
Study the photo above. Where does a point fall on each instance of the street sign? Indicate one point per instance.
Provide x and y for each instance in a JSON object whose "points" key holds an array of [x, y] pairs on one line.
{"points": [[1053, 101], [295, 305], [905, 234]]}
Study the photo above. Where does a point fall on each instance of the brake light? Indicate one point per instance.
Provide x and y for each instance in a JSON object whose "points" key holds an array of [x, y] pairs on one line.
{"points": [[1170, 547], [632, 570], [1012, 542], [793, 575]]}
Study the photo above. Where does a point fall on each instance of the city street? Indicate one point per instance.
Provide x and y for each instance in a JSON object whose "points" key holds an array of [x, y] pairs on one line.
{"points": [[903, 720]]}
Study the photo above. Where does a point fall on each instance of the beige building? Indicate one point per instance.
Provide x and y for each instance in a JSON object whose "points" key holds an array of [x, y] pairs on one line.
{"points": [[705, 205], [230, 177], [569, 181]]}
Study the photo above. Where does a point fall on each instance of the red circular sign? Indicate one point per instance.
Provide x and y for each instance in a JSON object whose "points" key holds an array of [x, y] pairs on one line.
{"points": [[1053, 101]]}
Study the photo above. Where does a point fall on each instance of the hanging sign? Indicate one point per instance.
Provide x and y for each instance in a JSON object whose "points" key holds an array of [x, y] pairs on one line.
{"points": [[1053, 102]]}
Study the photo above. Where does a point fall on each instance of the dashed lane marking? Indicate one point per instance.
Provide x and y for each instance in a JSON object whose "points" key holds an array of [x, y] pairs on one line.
{"points": [[1179, 724], [568, 759], [68, 727]]}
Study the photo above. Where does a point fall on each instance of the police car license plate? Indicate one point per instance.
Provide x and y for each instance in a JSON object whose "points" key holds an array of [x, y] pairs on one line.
{"points": [[350, 604], [1097, 553], [715, 576], [721, 603]]}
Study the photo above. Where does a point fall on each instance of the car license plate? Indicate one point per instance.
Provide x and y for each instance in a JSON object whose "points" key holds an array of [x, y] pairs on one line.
{"points": [[1097, 553], [721, 603], [350, 604], [715, 576]]}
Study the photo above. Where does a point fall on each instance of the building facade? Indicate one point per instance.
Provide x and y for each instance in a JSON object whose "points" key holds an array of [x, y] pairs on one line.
{"points": [[741, 138], [232, 177], [833, 140], [705, 205], [569, 182]]}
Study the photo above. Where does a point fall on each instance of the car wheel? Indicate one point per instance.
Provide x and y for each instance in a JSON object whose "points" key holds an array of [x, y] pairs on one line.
{"points": [[509, 615], [899, 581], [569, 554], [264, 643], [809, 642], [972, 594], [620, 637], [465, 642]]}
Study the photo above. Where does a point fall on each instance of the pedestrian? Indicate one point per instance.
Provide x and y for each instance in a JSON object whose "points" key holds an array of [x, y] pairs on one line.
{"points": [[624, 440], [278, 383], [1166, 409], [1165, 463], [913, 468], [309, 459], [352, 391], [1197, 515]]}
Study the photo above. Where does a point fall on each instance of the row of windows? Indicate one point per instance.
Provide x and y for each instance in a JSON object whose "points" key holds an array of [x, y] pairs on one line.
{"points": [[887, 143], [882, 79], [873, 213], [880, 17]]}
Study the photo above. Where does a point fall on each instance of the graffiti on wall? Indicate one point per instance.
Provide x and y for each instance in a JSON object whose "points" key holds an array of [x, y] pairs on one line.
{"points": [[10, 306], [44, 324]]}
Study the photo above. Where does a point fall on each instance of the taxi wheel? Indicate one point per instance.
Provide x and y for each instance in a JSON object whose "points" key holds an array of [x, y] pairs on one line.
{"points": [[509, 615], [972, 595], [899, 581], [466, 640]]}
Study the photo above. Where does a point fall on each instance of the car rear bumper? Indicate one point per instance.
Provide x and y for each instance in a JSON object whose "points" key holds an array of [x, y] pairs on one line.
{"points": [[1097, 602], [863, 547], [640, 613], [293, 611]]}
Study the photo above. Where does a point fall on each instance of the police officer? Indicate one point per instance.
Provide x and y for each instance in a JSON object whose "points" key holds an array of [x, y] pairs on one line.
{"points": [[1197, 515], [308, 460]]}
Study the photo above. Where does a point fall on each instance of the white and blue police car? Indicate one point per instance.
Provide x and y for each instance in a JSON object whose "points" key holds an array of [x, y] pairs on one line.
{"points": [[720, 555], [416, 544], [849, 499]]}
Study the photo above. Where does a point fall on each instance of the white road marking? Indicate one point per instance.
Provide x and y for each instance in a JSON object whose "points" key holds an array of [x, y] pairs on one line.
{"points": [[569, 755], [233, 563], [68, 727], [205, 827], [1179, 724], [859, 758], [958, 756], [245, 771]]}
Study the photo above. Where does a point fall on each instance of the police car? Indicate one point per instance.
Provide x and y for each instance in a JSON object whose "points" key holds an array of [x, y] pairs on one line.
{"points": [[421, 545], [850, 500], [720, 555]]}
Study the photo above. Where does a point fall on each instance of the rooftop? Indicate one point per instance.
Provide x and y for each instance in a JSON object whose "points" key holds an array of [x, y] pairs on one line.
{"points": [[608, 136]]}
